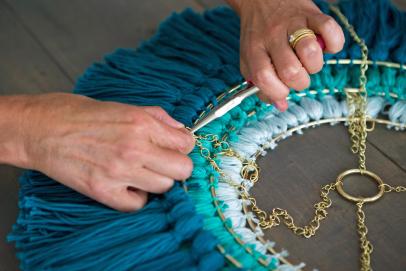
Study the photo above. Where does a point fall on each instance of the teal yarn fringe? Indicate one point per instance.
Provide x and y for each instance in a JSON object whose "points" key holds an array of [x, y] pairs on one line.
{"points": [[66, 222], [192, 59]]}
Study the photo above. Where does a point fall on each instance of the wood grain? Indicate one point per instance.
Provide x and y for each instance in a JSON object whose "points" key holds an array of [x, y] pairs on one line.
{"points": [[25, 66], [77, 32], [390, 145]]}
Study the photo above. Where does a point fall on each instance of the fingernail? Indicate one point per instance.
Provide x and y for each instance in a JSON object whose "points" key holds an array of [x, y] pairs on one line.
{"points": [[281, 105]]}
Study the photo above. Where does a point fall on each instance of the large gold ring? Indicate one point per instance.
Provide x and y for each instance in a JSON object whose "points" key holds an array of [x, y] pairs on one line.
{"points": [[300, 34], [376, 178]]}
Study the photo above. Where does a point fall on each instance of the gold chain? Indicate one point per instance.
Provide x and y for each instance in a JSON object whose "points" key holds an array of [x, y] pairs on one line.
{"points": [[366, 246], [356, 100], [358, 130], [250, 171]]}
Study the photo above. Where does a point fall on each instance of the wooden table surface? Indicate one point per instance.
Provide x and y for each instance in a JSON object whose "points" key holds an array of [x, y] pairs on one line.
{"points": [[46, 44]]}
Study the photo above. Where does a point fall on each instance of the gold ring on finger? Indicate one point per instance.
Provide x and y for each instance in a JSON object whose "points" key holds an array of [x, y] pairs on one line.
{"points": [[298, 35]]}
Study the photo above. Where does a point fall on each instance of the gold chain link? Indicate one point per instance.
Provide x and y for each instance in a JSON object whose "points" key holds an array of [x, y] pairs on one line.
{"points": [[250, 172], [398, 189], [358, 130], [277, 215], [366, 246], [356, 100], [358, 133]]}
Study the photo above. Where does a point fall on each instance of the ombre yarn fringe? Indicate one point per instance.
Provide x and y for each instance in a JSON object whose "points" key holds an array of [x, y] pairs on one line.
{"points": [[248, 137], [191, 60], [252, 134]]}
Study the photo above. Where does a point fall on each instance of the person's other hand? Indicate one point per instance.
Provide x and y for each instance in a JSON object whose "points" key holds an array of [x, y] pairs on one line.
{"points": [[111, 152], [266, 57]]}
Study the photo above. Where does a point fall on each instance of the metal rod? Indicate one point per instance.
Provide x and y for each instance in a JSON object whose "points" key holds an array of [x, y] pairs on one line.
{"points": [[224, 107]]}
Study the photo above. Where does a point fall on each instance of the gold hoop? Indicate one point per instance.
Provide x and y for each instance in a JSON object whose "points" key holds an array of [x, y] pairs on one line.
{"points": [[376, 178], [298, 35]]}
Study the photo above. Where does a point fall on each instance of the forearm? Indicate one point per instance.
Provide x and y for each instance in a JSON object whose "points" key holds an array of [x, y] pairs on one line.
{"points": [[12, 110]]}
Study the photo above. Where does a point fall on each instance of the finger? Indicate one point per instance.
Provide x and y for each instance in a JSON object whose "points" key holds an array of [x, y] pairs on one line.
{"points": [[150, 181], [244, 70], [172, 164], [132, 200], [330, 31], [263, 74], [308, 51], [287, 65], [160, 114], [282, 105], [168, 137], [321, 42], [123, 198]]}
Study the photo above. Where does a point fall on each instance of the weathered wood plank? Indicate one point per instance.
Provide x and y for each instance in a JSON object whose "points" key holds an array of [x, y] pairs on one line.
{"points": [[291, 177], [25, 66], [78, 33], [390, 144]]}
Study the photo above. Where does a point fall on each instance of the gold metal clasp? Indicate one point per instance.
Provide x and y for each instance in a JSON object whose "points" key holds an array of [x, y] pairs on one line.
{"points": [[374, 177]]}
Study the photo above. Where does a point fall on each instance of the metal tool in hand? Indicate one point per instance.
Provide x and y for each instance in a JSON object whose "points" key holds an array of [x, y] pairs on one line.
{"points": [[226, 106]]}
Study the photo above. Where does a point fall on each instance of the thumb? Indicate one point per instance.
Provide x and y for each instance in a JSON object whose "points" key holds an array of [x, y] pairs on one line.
{"points": [[161, 115]]}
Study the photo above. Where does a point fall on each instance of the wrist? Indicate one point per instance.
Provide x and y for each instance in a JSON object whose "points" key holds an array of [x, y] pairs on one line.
{"points": [[13, 110]]}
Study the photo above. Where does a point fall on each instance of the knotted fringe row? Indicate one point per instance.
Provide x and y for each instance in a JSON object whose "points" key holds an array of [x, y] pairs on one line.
{"points": [[199, 189], [248, 136], [191, 60]]}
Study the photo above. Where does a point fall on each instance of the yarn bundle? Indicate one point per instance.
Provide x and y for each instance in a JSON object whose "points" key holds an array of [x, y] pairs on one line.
{"points": [[192, 60]]}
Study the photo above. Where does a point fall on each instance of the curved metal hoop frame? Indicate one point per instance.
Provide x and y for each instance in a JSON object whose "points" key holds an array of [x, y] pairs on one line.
{"points": [[222, 96]]}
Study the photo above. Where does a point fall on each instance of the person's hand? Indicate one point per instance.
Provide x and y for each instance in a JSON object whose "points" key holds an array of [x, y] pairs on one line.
{"points": [[266, 57], [111, 152]]}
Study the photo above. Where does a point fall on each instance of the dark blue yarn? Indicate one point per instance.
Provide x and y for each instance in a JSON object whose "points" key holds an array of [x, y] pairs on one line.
{"points": [[191, 59]]}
